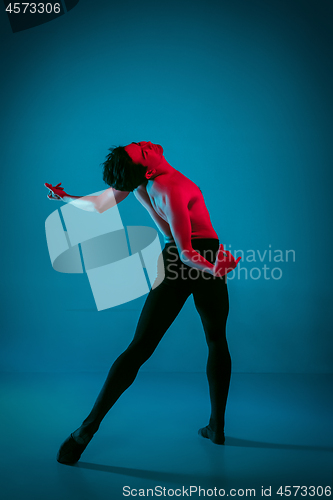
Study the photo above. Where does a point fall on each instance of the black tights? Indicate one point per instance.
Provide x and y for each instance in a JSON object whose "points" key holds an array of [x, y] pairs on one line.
{"points": [[161, 308]]}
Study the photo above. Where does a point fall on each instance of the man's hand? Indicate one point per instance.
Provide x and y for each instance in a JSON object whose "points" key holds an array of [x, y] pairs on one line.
{"points": [[225, 262], [55, 192]]}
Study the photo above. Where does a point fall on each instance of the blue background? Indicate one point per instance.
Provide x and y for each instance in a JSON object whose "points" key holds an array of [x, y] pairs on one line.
{"points": [[239, 94]]}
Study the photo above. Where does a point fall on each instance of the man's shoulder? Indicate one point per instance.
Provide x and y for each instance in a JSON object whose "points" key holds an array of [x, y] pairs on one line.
{"points": [[181, 186], [174, 190], [172, 181]]}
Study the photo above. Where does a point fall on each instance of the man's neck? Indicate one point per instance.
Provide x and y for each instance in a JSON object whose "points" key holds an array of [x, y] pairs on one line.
{"points": [[163, 168]]}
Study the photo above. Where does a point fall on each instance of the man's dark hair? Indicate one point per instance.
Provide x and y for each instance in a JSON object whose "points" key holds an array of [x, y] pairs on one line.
{"points": [[120, 172]]}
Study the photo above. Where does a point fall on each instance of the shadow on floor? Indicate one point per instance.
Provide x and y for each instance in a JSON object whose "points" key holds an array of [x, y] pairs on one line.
{"points": [[244, 443], [143, 474], [183, 477]]}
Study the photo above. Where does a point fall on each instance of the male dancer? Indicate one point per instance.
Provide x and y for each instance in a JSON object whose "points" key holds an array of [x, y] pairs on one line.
{"points": [[177, 207]]}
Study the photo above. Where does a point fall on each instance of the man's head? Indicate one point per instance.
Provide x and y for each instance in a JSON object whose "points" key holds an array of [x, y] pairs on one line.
{"points": [[145, 153], [125, 168]]}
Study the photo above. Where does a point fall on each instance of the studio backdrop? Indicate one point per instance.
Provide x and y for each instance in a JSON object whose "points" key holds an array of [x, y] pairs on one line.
{"points": [[239, 94]]}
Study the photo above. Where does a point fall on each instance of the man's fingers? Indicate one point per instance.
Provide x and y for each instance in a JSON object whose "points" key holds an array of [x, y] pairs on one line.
{"points": [[225, 256], [52, 196], [228, 255], [49, 186]]}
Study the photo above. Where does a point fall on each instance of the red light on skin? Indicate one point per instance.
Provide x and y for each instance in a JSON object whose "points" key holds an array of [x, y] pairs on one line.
{"points": [[225, 262], [146, 153], [55, 192]]}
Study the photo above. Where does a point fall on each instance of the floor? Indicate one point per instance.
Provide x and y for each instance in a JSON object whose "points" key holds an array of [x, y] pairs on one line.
{"points": [[278, 427]]}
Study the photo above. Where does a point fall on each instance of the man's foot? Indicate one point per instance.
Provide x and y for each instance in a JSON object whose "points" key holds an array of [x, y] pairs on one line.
{"points": [[72, 448], [215, 437]]}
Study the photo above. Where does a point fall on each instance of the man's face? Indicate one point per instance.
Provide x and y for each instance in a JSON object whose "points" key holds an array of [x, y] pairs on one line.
{"points": [[147, 154]]}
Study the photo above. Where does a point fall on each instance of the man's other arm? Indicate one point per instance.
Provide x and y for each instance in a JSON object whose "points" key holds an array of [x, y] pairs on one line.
{"points": [[180, 224], [178, 216]]}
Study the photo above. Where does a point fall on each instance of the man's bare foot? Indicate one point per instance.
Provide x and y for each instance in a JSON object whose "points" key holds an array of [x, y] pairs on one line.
{"points": [[215, 437]]}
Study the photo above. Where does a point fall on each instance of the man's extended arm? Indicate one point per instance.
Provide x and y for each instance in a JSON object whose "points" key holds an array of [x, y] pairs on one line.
{"points": [[108, 199]]}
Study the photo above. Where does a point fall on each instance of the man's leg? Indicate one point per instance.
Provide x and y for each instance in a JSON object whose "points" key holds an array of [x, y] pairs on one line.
{"points": [[211, 301], [161, 308]]}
